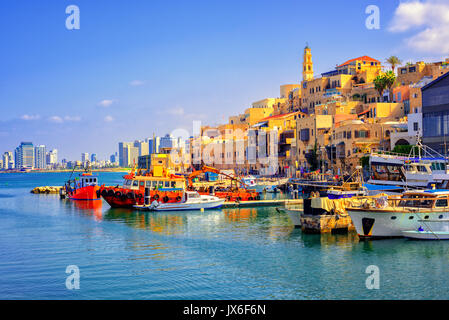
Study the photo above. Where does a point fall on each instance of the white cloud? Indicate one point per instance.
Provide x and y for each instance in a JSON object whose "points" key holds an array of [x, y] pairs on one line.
{"points": [[136, 83], [56, 119], [74, 118], [30, 117], [108, 119], [105, 103], [430, 19]]}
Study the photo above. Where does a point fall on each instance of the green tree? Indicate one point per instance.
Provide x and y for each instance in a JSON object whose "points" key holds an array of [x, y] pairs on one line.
{"points": [[390, 80], [380, 85], [394, 62]]}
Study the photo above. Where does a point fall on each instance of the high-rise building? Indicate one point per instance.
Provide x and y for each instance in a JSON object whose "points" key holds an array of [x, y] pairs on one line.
{"points": [[8, 160], [168, 141], [93, 157], [143, 147], [84, 157], [131, 156], [123, 161], [114, 158], [52, 157], [40, 157], [24, 156], [154, 145]]}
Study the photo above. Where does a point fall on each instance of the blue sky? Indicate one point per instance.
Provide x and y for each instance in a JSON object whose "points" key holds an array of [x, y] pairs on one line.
{"points": [[138, 67]]}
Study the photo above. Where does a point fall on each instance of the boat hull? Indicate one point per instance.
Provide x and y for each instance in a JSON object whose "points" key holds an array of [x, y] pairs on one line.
{"points": [[189, 206], [390, 224], [426, 235], [88, 193]]}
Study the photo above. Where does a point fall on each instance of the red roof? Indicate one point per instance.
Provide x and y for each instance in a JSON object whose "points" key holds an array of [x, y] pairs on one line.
{"points": [[364, 58]]}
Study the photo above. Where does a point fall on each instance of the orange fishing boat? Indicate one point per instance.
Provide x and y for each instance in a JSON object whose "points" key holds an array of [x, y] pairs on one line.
{"points": [[85, 187]]}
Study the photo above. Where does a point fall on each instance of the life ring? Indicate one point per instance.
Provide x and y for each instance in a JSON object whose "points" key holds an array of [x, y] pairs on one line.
{"points": [[239, 198], [178, 198], [123, 197], [165, 199], [139, 196], [257, 197], [250, 198], [118, 194], [110, 192], [131, 195], [228, 198], [156, 197], [104, 192]]}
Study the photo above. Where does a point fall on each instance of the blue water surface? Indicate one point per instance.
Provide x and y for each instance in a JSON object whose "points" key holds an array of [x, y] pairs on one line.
{"points": [[221, 254]]}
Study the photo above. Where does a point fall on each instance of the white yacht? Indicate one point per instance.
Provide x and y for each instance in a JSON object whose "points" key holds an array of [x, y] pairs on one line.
{"points": [[391, 216]]}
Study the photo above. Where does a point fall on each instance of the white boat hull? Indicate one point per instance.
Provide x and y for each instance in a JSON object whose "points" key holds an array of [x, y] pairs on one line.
{"points": [[426, 235], [385, 224], [190, 206]]}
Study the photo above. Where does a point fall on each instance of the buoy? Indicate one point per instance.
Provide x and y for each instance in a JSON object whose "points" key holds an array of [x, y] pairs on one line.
{"points": [[202, 209]]}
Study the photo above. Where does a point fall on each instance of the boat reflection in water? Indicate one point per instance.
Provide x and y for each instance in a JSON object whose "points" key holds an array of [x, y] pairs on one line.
{"points": [[91, 208]]}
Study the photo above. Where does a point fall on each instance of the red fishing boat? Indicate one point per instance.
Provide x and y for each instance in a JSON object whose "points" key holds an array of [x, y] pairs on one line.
{"points": [[85, 187], [162, 185]]}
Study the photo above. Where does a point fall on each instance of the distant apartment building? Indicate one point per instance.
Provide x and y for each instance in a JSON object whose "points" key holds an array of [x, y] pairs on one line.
{"points": [[143, 147], [84, 157], [24, 156], [40, 157], [130, 155], [7, 160], [52, 157], [93, 157]]}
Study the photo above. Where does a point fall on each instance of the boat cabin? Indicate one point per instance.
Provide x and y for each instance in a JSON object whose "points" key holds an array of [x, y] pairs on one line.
{"points": [[154, 183], [425, 199]]}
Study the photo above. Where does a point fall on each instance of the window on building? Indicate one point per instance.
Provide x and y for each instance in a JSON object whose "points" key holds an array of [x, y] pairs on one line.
{"points": [[415, 126], [412, 69]]}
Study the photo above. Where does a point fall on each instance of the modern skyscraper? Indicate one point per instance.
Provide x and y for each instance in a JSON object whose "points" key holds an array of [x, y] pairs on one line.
{"points": [[8, 160], [52, 157], [84, 157], [154, 145], [93, 157], [131, 156], [123, 162], [24, 156], [40, 157]]}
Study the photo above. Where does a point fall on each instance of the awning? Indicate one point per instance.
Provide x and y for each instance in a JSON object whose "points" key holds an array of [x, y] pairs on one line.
{"points": [[259, 124]]}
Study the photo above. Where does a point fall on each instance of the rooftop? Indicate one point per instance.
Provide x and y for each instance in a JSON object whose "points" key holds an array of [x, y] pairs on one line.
{"points": [[364, 58]]}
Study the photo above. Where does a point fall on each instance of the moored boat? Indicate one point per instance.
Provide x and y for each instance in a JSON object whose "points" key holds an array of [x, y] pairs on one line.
{"points": [[390, 216], [191, 200], [85, 187]]}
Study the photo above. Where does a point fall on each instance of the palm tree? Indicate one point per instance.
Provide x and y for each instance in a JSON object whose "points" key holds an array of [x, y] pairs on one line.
{"points": [[393, 61], [390, 79], [380, 84]]}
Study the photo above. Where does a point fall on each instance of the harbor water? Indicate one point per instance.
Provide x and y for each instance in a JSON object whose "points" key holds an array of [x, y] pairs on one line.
{"points": [[247, 253]]}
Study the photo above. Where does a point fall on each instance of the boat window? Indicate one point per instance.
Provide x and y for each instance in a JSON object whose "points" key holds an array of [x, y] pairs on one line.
{"points": [[135, 183], [173, 184], [167, 184], [193, 195], [127, 182], [417, 201], [441, 203], [142, 183], [161, 184], [148, 184], [422, 169]]}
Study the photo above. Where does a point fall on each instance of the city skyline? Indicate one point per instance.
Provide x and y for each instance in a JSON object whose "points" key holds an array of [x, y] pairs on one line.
{"points": [[82, 87]]}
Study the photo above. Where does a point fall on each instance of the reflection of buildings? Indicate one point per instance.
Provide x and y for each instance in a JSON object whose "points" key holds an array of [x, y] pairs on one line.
{"points": [[240, 215]]}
